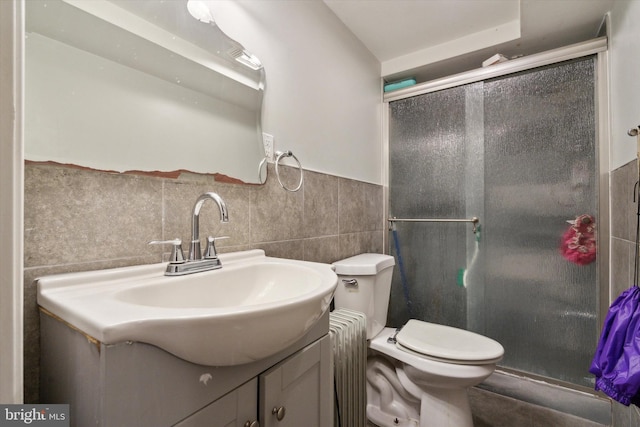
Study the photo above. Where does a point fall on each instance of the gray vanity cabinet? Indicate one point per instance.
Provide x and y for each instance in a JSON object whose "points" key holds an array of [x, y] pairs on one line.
{"points": [[297, 391], [238, 408], [139, 385]]}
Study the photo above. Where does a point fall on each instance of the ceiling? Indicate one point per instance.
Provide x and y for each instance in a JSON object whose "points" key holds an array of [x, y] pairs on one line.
{"points": [[427, 39]]}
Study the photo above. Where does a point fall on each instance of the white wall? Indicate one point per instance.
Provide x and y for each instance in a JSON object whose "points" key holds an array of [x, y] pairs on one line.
{"points": [[625, 79], [323, 96]]}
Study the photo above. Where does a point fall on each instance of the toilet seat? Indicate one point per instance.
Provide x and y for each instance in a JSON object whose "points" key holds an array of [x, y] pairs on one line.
{"points": [[448, 344], [444, 372]]}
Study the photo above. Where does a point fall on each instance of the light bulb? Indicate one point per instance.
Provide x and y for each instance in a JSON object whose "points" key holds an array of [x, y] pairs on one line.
{"points": [[199, 10]]}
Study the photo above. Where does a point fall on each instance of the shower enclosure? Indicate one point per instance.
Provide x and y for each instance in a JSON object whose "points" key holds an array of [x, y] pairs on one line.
{"points": [[518, 151]]}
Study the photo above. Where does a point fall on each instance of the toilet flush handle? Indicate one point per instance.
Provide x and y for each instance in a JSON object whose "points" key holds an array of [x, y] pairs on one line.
{"points": [[350, 283]]}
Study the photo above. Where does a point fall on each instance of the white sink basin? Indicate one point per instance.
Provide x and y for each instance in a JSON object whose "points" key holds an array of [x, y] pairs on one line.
{"points": [[251, 308]]}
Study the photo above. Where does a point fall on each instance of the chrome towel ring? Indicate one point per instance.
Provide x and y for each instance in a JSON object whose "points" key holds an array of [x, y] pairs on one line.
{"points": [[279, 156]]}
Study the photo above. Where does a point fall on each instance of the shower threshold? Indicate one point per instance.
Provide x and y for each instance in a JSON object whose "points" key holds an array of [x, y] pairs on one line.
{"points": [[539, 392]]}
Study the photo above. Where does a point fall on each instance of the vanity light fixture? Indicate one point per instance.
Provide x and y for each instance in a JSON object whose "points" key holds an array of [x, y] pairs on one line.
{"points": [[200, 11]]}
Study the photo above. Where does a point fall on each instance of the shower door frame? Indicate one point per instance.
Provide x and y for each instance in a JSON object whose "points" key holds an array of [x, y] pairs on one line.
{"points": [[596, 47]]}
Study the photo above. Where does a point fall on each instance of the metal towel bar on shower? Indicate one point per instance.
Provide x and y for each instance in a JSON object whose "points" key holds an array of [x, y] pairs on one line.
{"points": [[474, 220]]}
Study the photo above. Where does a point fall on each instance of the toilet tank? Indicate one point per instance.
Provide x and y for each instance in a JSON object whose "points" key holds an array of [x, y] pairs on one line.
{"points": [[364, 285]]}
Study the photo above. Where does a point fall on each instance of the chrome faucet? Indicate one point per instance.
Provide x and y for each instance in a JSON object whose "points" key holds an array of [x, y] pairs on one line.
{"points": [[178, 266], [195, 250]]}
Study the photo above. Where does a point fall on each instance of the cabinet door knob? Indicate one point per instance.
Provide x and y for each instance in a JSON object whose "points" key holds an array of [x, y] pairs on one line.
{"points": [[252, 424], [279, 413]]}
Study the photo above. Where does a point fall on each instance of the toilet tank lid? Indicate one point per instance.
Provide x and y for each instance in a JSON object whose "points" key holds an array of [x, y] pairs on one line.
{"points": [[364, 264]]}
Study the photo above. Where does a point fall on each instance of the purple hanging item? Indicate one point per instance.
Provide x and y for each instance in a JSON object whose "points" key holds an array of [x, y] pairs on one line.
{"points": [[616, 363]]}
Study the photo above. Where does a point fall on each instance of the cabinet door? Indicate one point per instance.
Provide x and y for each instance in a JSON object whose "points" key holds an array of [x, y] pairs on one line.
{"points": [[238, 408], [298, 391]]}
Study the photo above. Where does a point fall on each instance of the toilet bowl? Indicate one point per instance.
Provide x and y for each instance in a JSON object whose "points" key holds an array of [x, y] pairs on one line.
{"points": [[419, 375]]}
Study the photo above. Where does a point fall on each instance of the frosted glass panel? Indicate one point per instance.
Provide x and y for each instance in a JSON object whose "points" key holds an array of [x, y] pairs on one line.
{"points": [[540, 172], [427, 165], [519, 153]]}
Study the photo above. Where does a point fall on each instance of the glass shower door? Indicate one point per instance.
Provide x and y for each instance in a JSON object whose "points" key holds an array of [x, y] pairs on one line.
{"points": [[427, 164], [540, 147], [519, 152]]}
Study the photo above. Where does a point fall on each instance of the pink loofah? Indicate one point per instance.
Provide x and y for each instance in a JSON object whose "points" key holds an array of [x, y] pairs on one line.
{"points": [[578, 242]]}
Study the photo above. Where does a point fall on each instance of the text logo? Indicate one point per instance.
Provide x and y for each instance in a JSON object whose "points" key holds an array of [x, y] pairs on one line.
{"points": [[34, 415]]}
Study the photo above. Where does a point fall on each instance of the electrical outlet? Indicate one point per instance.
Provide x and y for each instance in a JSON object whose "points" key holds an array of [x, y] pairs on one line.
{"points": [[267, 140]]}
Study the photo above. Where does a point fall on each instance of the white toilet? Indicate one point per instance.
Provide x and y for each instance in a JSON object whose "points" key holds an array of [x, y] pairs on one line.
{"points": [[421, 379]]}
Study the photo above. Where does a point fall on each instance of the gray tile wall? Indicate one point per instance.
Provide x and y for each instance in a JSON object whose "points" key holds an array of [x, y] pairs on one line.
{"points": [[623, 232], [79, 220]]}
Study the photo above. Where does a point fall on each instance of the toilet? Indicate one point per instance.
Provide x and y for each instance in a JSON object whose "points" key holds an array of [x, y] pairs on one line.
{"points": [[417, 376]]}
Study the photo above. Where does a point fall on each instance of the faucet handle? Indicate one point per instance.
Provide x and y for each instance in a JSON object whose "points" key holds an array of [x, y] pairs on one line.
{"points": [[211, 247], [177, 256]]}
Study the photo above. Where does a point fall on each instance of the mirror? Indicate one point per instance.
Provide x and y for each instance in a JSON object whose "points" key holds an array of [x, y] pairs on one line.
{"points": [[140, 86]]}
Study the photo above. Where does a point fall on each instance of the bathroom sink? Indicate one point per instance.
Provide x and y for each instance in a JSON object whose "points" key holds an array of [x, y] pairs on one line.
{"points": [[251, 308]]}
